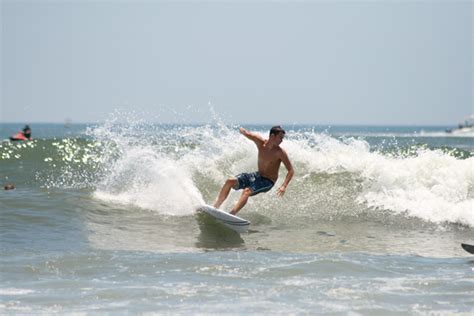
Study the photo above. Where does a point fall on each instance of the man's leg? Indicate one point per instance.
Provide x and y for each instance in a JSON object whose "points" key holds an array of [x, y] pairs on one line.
{"points": [[242, 201], [229, 184]]}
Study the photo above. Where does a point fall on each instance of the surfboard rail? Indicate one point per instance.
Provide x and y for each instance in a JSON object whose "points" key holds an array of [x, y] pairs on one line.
{"points": [[233, 222]]}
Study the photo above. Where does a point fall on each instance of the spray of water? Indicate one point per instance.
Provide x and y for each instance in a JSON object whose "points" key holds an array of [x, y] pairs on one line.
{"points": [[172, 169]]}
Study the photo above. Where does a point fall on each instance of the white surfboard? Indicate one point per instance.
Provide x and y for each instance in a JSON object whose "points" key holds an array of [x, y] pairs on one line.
{"points": [[235, 223]]}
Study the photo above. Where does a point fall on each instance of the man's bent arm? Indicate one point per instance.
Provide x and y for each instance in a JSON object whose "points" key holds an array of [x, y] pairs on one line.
{"points": [[289, 175]]}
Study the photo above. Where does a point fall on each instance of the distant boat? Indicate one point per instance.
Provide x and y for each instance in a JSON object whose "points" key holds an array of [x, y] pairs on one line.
{"points": [[466, 127]]}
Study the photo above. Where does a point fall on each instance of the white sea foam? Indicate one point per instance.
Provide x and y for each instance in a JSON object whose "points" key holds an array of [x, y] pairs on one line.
{"points": [[15, 291], [163, 174], [143, 175], [431, 185], [148, 180]]}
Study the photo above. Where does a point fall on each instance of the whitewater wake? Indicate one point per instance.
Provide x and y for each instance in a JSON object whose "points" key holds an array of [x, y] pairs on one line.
{"points": [[172, 169]]}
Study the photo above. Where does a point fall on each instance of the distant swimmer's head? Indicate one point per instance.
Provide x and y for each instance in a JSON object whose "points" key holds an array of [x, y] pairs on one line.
{"points": [[277, 133], [27, 131], [9, 187]]}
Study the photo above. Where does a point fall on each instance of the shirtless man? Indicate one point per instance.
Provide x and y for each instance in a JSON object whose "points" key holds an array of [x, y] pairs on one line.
{"points": [[270, 156]]}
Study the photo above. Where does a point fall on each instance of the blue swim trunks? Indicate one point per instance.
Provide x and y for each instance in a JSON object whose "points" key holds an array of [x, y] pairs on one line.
{"points": [[254, 181]]}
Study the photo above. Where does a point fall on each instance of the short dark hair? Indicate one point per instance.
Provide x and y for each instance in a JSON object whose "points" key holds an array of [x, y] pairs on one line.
{"points": [[275, 130]]}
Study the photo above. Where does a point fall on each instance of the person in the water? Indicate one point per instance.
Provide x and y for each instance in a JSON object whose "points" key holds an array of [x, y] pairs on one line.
{"points": [[25, 134], [270, 157], [9, 186]]}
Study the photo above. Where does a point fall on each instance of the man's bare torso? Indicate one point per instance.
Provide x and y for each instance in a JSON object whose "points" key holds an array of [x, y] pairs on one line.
{"points": [[269, 161]]}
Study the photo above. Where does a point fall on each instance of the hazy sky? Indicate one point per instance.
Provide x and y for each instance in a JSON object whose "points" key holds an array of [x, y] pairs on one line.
{"points": [[326, 62]]}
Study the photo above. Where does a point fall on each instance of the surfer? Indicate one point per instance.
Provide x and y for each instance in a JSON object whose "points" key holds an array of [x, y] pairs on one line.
{"points": [[25, 134], [270, 156]]}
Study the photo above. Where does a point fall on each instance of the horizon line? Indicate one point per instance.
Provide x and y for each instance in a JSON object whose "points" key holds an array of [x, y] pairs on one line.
{"points": [[243, 123]]}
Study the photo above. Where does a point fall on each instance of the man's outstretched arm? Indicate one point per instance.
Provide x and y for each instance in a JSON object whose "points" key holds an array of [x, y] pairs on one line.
{"points": [[256, 138]]}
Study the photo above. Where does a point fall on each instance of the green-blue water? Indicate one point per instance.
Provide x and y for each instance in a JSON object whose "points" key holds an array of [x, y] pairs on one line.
{"points": [[102, 220]]}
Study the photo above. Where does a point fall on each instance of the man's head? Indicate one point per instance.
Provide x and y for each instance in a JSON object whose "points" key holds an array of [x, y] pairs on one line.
{"points": [[277, 132]]}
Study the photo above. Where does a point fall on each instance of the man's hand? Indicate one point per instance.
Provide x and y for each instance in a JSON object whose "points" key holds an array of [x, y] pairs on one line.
{"points": [[281, 191]]}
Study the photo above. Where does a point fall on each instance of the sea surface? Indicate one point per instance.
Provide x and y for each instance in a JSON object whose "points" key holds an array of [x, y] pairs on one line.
{"points": [[103, 220]]}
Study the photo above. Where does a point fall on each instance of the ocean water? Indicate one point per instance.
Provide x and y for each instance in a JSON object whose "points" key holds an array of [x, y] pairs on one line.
{"points": [[103, 220]]}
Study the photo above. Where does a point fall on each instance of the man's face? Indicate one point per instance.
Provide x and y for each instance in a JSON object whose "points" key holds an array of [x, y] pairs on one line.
{"points": [[279, 137]]}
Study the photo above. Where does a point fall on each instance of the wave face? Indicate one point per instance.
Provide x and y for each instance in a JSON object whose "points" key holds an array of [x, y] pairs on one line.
{"points": [[171, 169]]}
